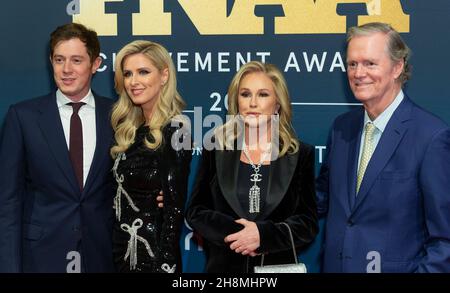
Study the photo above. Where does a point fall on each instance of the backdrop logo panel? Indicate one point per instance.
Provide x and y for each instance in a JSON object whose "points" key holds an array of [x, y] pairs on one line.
{"points": [[237, 17], [210, 39]]}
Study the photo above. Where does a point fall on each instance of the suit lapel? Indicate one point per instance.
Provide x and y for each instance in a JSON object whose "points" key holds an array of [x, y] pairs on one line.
{"points": [[390, 139], [51, 128], [227, 165], [353, 154], [280, 176], [103, 141]]}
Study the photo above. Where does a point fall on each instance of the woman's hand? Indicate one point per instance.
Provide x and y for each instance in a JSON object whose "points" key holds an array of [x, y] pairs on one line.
{"points": [[245, 241]]}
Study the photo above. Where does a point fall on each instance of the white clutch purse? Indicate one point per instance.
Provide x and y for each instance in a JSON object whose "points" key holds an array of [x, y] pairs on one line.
{"points": [[283, 268]]}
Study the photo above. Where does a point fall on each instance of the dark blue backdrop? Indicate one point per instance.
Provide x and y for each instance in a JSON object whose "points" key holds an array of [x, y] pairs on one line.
{"points": [[305, 38]]}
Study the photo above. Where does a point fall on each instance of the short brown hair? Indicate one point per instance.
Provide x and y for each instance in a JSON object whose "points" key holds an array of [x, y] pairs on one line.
{"points": [[77, 31]]}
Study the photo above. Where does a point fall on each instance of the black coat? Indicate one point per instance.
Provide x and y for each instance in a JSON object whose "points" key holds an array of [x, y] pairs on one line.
{"points": [[214, 207]]}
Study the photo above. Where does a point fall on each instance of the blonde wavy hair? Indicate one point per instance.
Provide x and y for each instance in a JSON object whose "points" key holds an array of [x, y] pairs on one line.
{"points": [[228, 133], [126, 117]]}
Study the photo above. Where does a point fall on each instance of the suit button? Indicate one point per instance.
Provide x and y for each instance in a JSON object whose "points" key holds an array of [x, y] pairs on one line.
{"points": [[350, 223], [75, 229]]}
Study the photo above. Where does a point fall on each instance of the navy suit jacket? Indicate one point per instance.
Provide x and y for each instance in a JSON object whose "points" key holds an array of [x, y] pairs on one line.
{"points": [[43, 214], [400, 219]]}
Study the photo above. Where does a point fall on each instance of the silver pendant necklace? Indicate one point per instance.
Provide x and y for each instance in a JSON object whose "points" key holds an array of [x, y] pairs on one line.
{"points": [[254, 194]]}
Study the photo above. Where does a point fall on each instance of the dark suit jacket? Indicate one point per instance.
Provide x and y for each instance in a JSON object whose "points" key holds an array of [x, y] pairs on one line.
{"points": [[401, 215], [43, 214], [214, 207]]}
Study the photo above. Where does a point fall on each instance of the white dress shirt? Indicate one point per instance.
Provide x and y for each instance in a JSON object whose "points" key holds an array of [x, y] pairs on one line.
{"points": [[87, 116], [380, 123]]}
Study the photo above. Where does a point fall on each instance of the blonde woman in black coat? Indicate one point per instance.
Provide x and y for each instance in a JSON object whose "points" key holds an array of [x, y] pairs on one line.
{"points": [[258, 176]]}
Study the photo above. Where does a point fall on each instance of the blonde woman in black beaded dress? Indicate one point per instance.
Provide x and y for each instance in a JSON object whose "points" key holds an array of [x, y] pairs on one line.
{"points": [[145, 237]]}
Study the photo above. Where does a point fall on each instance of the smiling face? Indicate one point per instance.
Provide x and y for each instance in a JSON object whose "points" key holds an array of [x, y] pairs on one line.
{"points": [[371, 72], [143, 81], [257, 99], [72, 68]]}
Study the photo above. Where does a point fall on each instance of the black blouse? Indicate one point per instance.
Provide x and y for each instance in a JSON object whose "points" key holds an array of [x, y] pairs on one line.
{"points": [[244, 185]]}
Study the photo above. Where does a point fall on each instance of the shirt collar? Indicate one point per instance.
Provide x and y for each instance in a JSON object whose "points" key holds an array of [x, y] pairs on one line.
{"points": [[62, 99], [382, 120]]}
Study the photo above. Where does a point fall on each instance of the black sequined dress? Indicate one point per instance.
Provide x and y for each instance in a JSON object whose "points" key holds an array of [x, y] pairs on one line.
{"points": [[145, 237]]}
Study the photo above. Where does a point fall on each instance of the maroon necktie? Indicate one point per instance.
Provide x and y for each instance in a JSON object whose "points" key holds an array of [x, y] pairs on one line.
{"points": [[76, 143]]}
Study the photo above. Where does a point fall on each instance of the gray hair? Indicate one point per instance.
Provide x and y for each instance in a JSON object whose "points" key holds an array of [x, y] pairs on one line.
{"points": [[396, 47]]}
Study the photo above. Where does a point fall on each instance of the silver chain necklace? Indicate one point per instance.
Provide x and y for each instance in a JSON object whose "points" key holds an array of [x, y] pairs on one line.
{"points": [[254, 194]]}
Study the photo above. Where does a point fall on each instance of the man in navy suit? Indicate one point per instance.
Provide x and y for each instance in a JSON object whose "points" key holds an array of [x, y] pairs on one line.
{"points": [[385, 184], [56, 190]]}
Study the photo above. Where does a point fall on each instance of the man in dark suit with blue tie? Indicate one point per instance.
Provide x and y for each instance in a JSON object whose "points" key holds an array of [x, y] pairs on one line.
{"points": [[56, 190], [384, 186]]}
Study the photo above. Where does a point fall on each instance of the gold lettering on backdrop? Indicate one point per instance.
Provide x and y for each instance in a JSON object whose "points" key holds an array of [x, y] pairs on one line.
{"points": [[388, 11], [320, 17], [152, 20], [92, 14], [210, 16], [301, 16]]}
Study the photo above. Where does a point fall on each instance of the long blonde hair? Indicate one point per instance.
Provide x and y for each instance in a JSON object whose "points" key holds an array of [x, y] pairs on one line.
{"points": [[228, 133], [126, 117]]}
